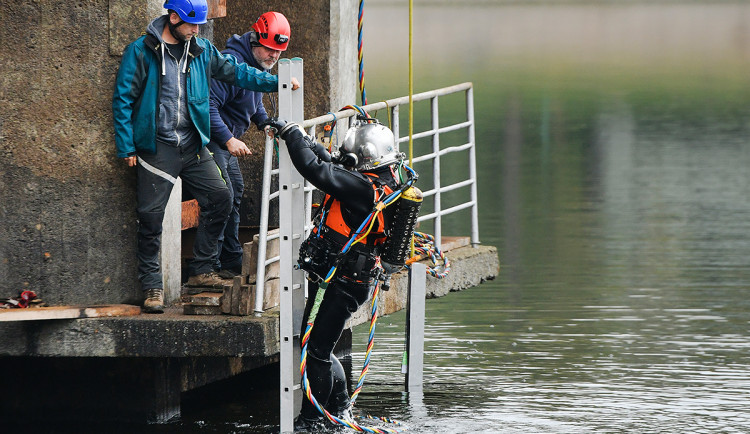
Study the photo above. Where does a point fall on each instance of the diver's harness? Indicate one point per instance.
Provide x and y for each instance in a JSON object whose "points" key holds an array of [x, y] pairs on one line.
{"points": [[388, 238]]}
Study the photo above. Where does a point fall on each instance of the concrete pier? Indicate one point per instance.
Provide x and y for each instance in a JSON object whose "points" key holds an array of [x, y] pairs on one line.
{"points": [[146, 361]]}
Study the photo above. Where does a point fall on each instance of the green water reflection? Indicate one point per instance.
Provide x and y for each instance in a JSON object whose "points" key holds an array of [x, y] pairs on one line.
{"points": [[612, 158]]}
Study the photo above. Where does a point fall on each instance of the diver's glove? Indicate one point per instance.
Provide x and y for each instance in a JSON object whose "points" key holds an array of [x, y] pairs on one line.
{"points": [[286, 130], [275, 124]]}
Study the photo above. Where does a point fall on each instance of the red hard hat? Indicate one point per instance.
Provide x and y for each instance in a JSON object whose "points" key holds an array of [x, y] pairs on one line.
{"points": [[273, 31]]}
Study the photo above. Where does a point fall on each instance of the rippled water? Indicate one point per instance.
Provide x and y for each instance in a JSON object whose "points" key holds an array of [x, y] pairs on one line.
{"points": [[624, 310], [551, 361]]}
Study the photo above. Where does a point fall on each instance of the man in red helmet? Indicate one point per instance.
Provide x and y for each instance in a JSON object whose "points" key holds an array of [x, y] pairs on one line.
{"points": [[233, 109]]}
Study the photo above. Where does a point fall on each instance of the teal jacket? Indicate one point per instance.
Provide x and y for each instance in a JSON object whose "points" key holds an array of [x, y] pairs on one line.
{"points": [[135, 103]]}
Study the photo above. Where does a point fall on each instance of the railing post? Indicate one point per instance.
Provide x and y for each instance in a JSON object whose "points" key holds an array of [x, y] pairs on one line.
{"points": [[291, 230], [472, 168], [435, 120], [396, 125]]}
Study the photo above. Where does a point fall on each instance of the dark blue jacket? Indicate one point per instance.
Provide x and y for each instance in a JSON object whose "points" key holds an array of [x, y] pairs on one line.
{"points": [[234, 108]]}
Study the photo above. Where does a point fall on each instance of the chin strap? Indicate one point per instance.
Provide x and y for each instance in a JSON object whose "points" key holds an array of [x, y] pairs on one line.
{"points": [[173, 28]]}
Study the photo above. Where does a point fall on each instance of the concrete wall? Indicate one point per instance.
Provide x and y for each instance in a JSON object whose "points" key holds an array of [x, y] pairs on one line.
{"points": [[67, 204]]}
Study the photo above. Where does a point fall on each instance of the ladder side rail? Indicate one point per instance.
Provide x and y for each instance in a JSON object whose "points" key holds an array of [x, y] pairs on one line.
{"points": [[265, 203], [290, 280]]}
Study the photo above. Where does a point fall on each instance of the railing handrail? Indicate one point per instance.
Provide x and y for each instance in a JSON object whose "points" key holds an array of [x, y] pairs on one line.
{"points": [[392, 104], [347, 113]]}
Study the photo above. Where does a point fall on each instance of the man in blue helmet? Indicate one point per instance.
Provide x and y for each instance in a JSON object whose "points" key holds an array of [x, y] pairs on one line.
{"points": [[161, 118]]}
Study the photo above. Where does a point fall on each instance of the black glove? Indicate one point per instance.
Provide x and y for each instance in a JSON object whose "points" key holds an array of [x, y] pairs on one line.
{"points": [[275, 124]]}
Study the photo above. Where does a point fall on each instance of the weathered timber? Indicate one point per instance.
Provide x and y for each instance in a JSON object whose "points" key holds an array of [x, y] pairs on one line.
{"points": [[68, 312]]}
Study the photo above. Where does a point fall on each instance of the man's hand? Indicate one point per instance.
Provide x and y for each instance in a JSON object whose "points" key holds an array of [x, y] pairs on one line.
{"points": [[295, 83], [131, 161], [237, 147]]}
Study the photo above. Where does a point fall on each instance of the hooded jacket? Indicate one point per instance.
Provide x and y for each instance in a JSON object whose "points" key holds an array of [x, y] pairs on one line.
{"points": [[234, 108], [136, 101]]}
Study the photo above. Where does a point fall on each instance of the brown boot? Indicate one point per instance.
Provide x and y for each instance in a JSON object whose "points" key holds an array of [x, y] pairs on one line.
{"points": [[154, 302], [208, 280]]}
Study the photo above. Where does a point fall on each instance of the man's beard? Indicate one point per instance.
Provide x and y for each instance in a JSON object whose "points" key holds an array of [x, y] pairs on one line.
{"points": [[265, 64], [268, 64], [177, 35]]}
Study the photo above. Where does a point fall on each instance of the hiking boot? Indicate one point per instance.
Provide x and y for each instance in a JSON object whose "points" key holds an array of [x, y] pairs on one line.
{"points": [[208, 280], [154, 302], [229, 273]]}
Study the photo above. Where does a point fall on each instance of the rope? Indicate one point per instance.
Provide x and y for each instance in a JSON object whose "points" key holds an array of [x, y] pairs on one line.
{"points": [[411, 83], [359, 51], [411, 94], [358, 109], [424, 247]]}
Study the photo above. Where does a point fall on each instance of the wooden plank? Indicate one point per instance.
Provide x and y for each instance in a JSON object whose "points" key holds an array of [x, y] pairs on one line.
{"points": [[217, 9], [225, 301], [250, 257], [450, 243], [271, 294], [208, 298], [236, 293], [246, 300], [68, 312], [250, 260], [190, 213]]}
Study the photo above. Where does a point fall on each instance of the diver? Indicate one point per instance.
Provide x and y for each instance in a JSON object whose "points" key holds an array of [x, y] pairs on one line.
{"points": [[354, 180]]}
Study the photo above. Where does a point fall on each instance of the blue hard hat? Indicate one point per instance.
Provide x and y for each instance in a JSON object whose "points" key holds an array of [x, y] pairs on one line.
{"points": [[191, 11]]}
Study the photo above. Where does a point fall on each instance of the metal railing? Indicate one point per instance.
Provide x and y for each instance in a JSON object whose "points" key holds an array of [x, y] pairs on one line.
{"points": [[435, 155]]}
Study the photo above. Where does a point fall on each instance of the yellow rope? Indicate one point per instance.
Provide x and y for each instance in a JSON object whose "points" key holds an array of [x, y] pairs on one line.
{"points": [[411, 94], [411, 82]]}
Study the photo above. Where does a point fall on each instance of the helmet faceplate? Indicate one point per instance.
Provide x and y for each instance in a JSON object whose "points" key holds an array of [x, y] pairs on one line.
{"points": [[373, 144]]}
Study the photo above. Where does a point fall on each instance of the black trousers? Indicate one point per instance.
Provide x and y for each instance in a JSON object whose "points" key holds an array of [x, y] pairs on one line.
{"points": [[156, 175], [324, 372]]}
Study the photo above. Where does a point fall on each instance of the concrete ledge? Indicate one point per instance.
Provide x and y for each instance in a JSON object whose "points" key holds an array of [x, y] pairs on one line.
{"points": [[469, 267], [167, 335], [173, 334]]}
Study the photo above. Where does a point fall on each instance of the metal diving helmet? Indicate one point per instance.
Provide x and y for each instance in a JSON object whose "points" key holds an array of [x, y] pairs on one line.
{"points": [[372, 144]]}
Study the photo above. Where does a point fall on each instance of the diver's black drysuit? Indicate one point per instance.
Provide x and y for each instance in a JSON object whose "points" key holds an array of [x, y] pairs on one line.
{"points": [[353, 282]]}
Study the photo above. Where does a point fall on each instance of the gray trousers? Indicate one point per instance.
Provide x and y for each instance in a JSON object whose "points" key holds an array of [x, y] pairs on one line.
{"points": [[156, 175]]}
